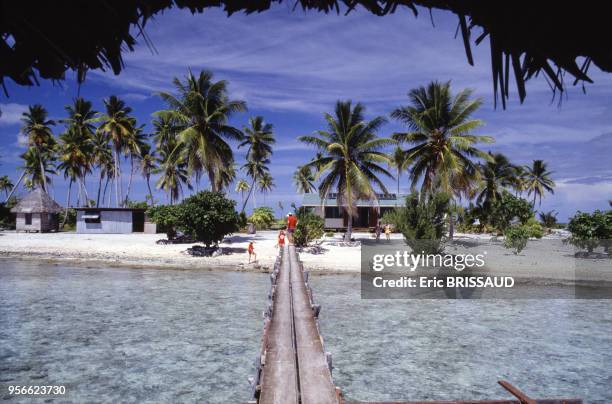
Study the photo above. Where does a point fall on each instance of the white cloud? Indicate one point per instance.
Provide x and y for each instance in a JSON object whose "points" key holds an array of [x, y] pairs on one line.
{"points": [[11, 113]]}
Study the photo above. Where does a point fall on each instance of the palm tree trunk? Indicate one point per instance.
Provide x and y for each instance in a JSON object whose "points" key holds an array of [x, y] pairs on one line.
{"points": [[105, 188], [15, 187], [211, 178], [129, 187], [349, 229], [84, 191], [116, 176], [67, 204], [99, 188], [150, 192], [248, 196], [398, 185], [451, 220], [42, 169]]}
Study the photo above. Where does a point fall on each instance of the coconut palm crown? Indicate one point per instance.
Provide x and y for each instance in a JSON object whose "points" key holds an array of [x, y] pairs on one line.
{"points": [[351, 157], [537, 180], [440, 133], [201, 110]]}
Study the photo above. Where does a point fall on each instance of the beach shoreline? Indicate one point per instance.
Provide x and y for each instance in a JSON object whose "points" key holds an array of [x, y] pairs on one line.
{"points": [[547, 261]]}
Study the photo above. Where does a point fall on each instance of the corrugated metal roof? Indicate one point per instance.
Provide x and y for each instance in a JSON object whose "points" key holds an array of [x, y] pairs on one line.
{"points": [[387, 201]]}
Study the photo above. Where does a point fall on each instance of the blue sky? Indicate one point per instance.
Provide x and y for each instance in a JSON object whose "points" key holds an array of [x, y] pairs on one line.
{"points": [[291, 67]]}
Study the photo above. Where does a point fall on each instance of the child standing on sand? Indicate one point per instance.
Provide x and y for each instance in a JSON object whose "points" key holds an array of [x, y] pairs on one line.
{"points": [[388, 231], [251, 250]]}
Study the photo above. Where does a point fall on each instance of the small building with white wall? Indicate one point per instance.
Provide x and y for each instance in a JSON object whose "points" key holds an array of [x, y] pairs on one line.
{"points": [[113, 221], [36, 212]]}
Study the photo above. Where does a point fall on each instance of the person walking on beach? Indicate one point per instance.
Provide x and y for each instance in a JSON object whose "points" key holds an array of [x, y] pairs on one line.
{"points": [[388, 231], [291, 224], [251, 250], [281, 239]]}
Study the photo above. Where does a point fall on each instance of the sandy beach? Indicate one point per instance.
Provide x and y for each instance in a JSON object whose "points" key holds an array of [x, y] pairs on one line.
{"points": [[548, 258], [141, 250]]}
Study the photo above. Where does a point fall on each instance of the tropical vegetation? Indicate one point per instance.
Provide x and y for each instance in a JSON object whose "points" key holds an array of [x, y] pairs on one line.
{"points": [[351, 157], [100, 155]]}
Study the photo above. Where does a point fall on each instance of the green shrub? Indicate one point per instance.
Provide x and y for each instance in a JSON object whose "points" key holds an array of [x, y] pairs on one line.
{"points": [[309, 227], [262, 218], [329, 234], [590, 231], [242, 220], [516, 237], [138, 204], [7, 219], [208, 217], [506, 210], [422, 222], [166, 218], [393, 217], [534, 228]]}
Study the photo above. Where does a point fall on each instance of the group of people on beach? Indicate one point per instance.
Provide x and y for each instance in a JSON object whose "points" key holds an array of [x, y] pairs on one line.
{"points": [[380, 228], [290, 229]]}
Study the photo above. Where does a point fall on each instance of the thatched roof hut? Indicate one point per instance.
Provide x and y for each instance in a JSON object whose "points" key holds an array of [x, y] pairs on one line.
{"points": [[37, 212], [44, 39]]}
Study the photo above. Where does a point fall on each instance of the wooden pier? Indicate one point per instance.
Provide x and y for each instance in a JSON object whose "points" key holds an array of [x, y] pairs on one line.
{"points": [[293, 367]]}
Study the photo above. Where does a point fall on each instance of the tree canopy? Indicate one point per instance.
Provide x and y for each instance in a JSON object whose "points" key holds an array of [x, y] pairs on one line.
{"points": [[526, 38]]}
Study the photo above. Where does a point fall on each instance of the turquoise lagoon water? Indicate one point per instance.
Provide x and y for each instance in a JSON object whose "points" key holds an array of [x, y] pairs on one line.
{"points": [[138, 335]]}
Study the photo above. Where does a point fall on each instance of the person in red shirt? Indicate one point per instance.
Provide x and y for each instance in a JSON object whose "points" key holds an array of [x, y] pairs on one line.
{"points": [[291, 224], [281, 239], [251, 250]]}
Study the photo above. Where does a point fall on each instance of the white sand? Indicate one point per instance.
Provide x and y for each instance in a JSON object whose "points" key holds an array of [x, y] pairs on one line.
{"points": [[548, 258]]}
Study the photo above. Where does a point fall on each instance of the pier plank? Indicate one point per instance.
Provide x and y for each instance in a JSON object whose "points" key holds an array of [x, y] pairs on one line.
{"points": [[279, 380], [316, 386]]}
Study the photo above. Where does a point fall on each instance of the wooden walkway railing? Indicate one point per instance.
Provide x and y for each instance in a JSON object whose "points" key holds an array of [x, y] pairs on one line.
{"points": [[293, 367]]}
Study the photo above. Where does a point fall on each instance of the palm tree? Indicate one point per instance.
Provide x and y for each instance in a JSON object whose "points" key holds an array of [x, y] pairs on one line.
{"points": [[36, 175], [37, 128], [147, 167], [81, 117], [226, 177], [400, 162], [259, 138], [241, 187], [201, 111], [255, 169], [266, 184], [173, 172], [443, 145], [5, 185], [165, 130], [134, 144], [74, 151], [497, 174], [303, 178], [538, 181], [440, 132], [102, 158], [118, 125], [351, 152]]}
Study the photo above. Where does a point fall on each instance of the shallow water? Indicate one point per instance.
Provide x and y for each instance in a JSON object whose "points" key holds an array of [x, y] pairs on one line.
{"points": [[459, 349], [130, 335], [134, 335]]}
